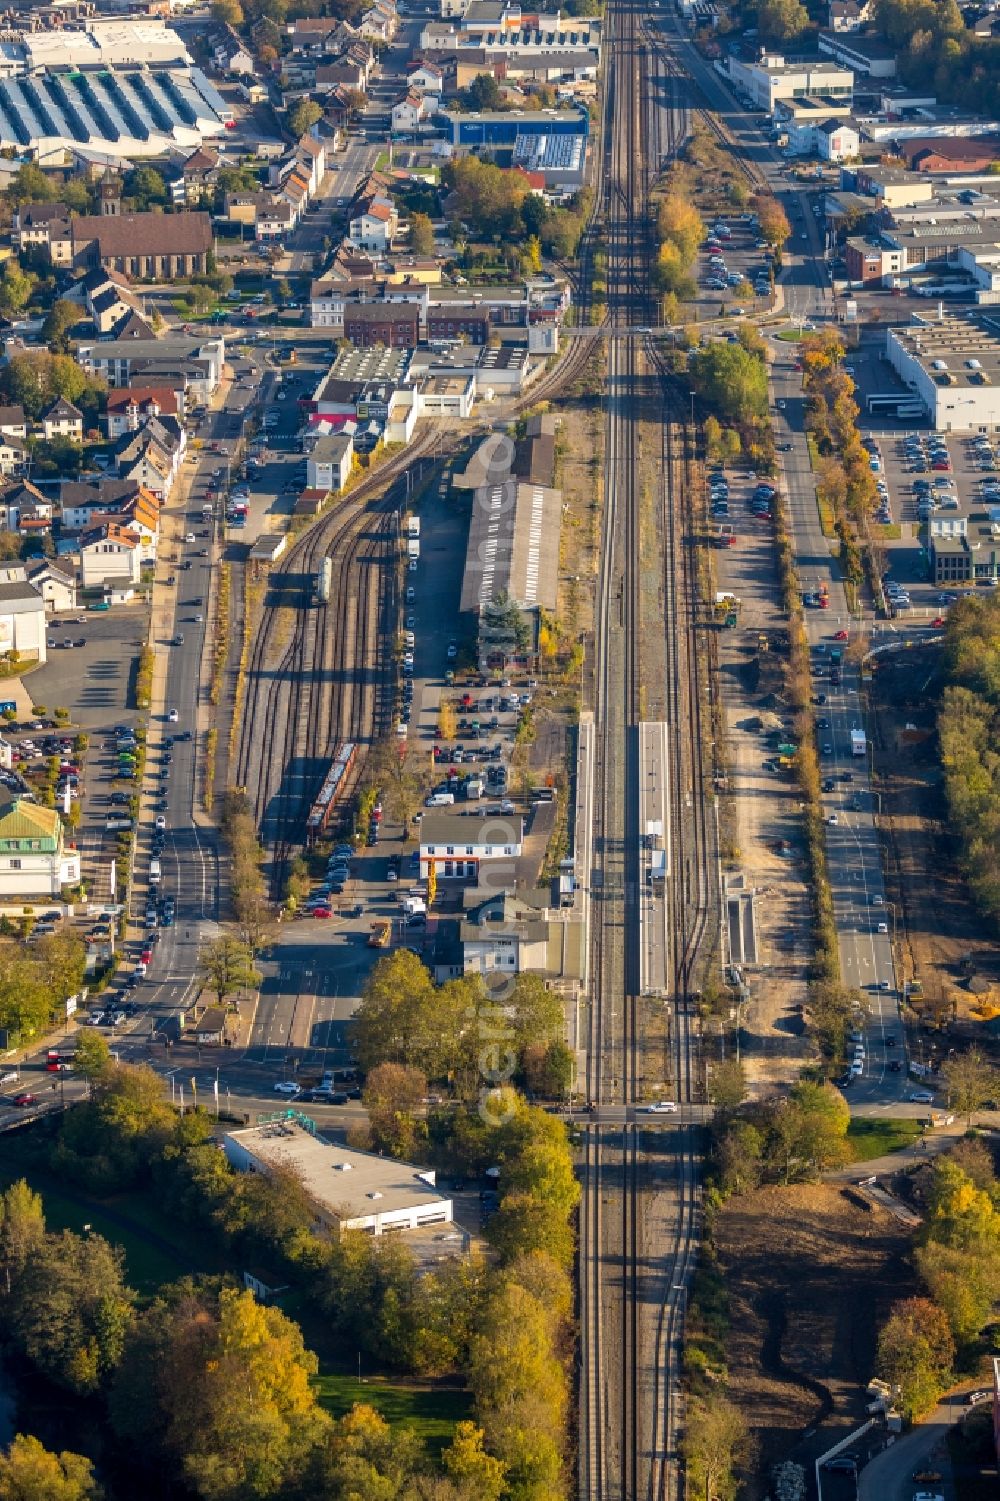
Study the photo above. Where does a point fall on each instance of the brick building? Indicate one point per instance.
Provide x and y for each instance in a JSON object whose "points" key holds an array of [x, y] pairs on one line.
{"points": [[395, 325]]}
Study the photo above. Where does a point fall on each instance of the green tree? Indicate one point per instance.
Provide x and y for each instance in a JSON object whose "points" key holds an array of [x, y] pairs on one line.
{"points": [[229, 12], [915, 1353], [673, 275], [485, 93], [960, 1213], [365, 1459], [92, 1058], [33, 986], [468, 1464], [63, 959], [226, 965], [548, 1069], [16, 288], [222, 1388], [503, 624], [728, 1085], [404, 1018], [740, 1156], [712, 430], [534, 214], [970, 1080], [76, 195], [781, 20], [111, 1140], [531, 256], [560, 229], [56, 456], [421, 234], [70, 1310], [22, 1231], [832, 1008], [398, 989], [59, 320], [30, 185], [487, 198], [524, 1225], [536, 1012], [809, 1131], [716, 1442], [30, 1472], [66, 378], [519, 1386], [964, 1284], [393, 1096], [146, 186], [303, 114], [731, 381]]}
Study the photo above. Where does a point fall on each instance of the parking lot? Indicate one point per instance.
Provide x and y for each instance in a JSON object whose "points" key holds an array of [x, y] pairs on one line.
{"points": [[738, 503], [926, 475], [91, 677], [733, 256], [919, 474]]}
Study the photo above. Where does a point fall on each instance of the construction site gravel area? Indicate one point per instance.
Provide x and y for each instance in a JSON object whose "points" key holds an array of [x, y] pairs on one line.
{"points": [[810, 1275], [941, 940], [762, 834]]}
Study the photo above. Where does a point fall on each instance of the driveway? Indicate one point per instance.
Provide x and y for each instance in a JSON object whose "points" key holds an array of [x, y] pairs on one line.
{"points": [[889, 1476]]}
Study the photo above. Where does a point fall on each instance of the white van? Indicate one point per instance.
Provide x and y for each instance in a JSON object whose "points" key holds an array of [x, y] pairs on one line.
{"points": [[440, 800], [154, 872]]}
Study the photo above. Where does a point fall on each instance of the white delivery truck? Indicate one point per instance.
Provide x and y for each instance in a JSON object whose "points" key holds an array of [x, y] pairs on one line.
{"points": [[859, 744]]}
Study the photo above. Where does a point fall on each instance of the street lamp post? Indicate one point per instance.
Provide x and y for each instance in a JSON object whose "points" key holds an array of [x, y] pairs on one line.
{"points": [[691, 394]]}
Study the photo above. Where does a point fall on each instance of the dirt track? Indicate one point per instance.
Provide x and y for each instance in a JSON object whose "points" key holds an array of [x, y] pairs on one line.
{"points": [[937, 921], [801, 1346]]}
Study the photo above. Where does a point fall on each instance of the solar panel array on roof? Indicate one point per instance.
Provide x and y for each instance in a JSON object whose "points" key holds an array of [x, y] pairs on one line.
{"points": [[143, 110], [544, 153]]}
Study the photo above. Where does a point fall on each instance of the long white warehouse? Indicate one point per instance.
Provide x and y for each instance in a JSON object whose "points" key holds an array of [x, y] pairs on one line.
{"points": [[128, 111], [952, 365]]}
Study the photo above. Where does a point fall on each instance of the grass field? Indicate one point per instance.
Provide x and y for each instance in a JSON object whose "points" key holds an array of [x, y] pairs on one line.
{"points": [[431, 1411], [875, 1138], [147, 1264], [157, 1248]]}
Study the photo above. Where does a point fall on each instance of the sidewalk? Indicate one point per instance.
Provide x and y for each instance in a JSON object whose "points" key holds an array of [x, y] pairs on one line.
{"points": [[923, 1149]]}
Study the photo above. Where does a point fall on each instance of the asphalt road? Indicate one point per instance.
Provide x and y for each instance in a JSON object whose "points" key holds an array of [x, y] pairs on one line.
{"points": [[344, 172], [190, 858], [852, 843], [888, 1476]]}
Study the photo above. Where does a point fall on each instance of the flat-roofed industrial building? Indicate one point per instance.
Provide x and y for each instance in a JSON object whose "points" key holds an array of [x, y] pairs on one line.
{"points": [[348, 1190]]}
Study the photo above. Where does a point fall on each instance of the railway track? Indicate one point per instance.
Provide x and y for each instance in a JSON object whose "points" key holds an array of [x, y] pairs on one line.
{"points": [[330, 680], [335, 668], [751, 173], [633, 1287], [691, 900], [613, 1422]]}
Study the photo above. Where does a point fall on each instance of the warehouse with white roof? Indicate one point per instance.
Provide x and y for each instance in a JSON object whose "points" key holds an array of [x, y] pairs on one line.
{"points": [[349, 1190], [953, 366], [121, 88]]}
